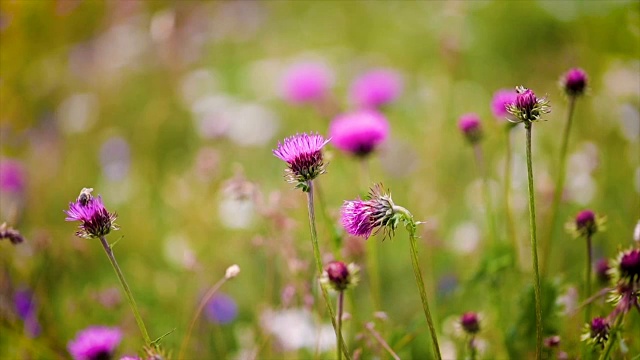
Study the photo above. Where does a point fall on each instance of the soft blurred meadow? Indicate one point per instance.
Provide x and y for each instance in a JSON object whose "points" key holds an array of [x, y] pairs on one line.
{"points": [[170, 110]]}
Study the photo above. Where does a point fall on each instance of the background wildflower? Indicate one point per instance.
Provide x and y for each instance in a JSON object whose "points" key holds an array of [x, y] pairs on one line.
{"points": [[95, 343], [574, 82], [340, 276], [307, 82], [359, 133], [376, 88], [469, 125]]}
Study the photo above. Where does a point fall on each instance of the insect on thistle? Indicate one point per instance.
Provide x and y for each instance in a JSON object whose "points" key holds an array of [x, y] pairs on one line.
{"points": [[85, 196]]}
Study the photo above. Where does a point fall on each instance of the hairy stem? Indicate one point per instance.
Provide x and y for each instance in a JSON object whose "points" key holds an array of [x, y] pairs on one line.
{"points": [[557, 195], [423, 294], [534, 245], [318, 260], [127, 290]]}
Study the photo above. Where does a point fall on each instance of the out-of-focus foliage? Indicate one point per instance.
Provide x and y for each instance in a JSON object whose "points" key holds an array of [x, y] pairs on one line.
{"points": [[170, 109]]}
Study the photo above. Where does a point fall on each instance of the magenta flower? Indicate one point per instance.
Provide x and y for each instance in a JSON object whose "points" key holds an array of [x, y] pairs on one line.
{"points": [[501, 99], [12, 176], [602, 270], [303, 155], [469, 125], [629, 266], [95, 220], [597, 332], [527, 107], [585, 224], [95, 343], [362, 217], [359, 133], [376, 88], [574, 82], [307, 82], [340, 276], [470, 322]]}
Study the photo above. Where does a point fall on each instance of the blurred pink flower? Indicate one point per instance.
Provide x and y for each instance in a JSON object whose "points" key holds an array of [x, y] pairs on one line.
{"points": [[12, 176], [501, 99], [360, 132], [307, 82], [376, 88]]}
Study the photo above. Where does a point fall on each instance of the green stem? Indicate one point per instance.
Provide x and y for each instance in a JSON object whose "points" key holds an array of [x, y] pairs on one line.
{"points": [[196, 315], [511, 228], [534, 245], [472, 348], [318, 260], [613, 334], [587, 290], [372, 246], [340, 309], [127, 290], [336, 241], [477, 150], [423, 294], [557, 195]]}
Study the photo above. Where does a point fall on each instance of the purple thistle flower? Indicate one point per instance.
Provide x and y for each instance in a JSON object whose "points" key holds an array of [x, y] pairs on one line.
{"points": [[362, 217], [574, 82], [95, 343], [527, 107], [629, 266], [307, 82], [26, 307], [501, 99], [12, 176], [360, 132], [376, 88], [221, 309], [95, 220], [602, 270], [470, 322], [340, 276], [7, 232], [303, 155], [596, 332], [469, 125], [586, 222]]}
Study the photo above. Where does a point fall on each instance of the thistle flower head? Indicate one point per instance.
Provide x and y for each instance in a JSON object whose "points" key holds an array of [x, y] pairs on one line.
{"points": [[7, 232], [574, 82], [626, 268], [340, 276], [377, 211], [470, 322], [303, 155], [95, 343], [359, 133], [585, 224], [501, 99], [95, 220], [306, 82], [602, 270], [552, 341], [596, 332], [469, 125], [12, 176], [376, 88], [527, 107]]}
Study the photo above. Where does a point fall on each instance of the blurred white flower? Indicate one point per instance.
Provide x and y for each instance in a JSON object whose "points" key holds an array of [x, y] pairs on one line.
{"points": [[78, 113], [252, 125], [236, 213], [295, 329], [178, 252], [198, 84], [466, 238]]}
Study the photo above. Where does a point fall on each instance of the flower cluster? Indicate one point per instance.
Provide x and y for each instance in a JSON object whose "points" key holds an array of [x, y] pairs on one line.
{"points": [[95, 220], [303, 155], [527, 107], [377, 211], [340, 276], [95, 343]]}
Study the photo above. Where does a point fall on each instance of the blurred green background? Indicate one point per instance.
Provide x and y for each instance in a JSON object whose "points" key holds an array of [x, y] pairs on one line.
{"points": [[170, 109]]}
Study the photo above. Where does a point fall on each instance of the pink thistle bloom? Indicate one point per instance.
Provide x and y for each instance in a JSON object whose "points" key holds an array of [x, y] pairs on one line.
{"points": [[527, 107], [574, 82], [470, 322], [95, 220], [501, 99], [12, 176], [307, 82], [360, 132], [376, 88], [469, 125], [95, 343], [303, 155], [362, 217]]}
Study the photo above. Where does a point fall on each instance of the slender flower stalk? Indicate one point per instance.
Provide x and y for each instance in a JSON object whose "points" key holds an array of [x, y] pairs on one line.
{"points": [[370, 326], [97, 222], [527, 108], [574, 84], [511, 228], [612, 338], [127, 291], [587, 278], [230, 273], [340, 309], [470, 324], [378, 212]]}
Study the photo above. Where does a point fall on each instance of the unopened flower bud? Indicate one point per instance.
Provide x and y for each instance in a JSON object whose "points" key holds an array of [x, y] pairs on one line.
{"points": [[232, 271]]}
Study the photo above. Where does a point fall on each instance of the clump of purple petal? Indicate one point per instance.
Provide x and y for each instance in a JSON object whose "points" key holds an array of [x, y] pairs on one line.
{"points": [[307, 82], [94, 343], [359, 133], [376, 88]]}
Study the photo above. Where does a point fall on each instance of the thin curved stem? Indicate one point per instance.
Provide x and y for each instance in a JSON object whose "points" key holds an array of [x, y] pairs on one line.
{"points": [[340, 309], [127, 290], [534, 245], [318, 260], [557, 195], [511, 228], [196, 315], [373, 269], [587, 290], [423, 294]]}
